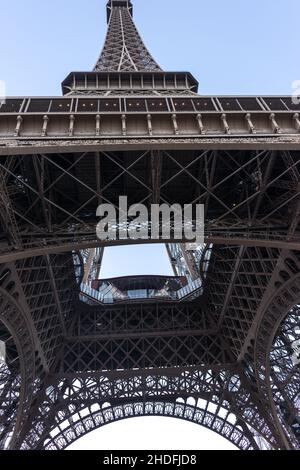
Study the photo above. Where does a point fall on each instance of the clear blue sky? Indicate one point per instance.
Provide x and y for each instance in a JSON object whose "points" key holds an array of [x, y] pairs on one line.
{"points": [[231, 46]]}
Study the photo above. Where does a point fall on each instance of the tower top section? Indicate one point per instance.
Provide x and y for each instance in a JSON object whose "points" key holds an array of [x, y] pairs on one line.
{"points": [[125, 66], [118, 3], [123, 49]]}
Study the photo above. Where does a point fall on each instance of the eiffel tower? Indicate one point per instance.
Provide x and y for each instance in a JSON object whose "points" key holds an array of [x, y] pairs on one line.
{"points": [[216, 344]]}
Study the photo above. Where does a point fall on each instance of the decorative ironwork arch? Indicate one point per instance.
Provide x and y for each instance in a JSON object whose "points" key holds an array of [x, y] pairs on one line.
{"points": [[217, 401], [79, 425], [17, 375], [146, 133], [286, 296]]}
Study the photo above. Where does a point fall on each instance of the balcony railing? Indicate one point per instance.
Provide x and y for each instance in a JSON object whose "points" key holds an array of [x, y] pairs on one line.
{"points": [[110, 294]]}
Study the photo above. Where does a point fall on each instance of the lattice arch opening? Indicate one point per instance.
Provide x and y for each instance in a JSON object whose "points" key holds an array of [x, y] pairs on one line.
{"points": [[88, 419], [276, 364], [285, 373]]}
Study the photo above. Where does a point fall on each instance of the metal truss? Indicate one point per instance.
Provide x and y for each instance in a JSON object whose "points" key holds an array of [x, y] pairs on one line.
{"points": [[247, 196], [17, 372], [124, 49], [92, 260], [277, 374], [223, 357], [285, 374], [101, 416]]}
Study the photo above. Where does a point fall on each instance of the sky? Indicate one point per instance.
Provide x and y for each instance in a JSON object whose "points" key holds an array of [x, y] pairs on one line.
{"points": [[232, 47]]}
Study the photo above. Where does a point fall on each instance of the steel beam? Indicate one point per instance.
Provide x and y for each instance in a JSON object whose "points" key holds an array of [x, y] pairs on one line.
{"points": [[81, 245]]}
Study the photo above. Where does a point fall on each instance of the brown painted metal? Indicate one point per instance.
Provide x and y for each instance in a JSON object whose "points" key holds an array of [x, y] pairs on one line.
{"points": [[222, 360]]}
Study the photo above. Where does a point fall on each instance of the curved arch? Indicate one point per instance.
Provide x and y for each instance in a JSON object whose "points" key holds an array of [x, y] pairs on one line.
{"points": [[285, 375], [79, 425], [204, 261], [287, 295], [88, 243], [10, 382], [14, 321]]}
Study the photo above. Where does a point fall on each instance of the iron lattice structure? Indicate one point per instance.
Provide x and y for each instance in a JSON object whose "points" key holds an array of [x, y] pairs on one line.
{"points": [[222, 352]]}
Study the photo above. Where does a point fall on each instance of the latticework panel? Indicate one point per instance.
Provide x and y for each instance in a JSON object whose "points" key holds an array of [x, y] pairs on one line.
{"points": [[142, 319], [247, 195], [144, 352], [237, 281], [224, 361], [277, 375], [50, 289], [215, 399], [94, 417], [17, 367], [124, 49]]}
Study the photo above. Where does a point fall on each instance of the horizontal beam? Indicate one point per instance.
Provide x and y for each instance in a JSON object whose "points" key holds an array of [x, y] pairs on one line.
{"points": [[30, 146], [146, 81], [76, 246]]}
